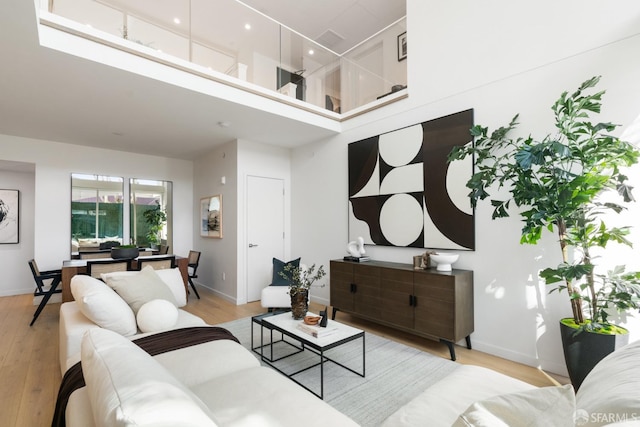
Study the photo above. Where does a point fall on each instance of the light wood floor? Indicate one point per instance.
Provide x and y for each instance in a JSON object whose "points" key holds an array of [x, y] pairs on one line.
{"points": [[30, 370]]}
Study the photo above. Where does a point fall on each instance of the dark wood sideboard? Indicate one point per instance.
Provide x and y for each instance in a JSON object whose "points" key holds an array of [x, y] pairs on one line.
{"points": [[428, 303]]}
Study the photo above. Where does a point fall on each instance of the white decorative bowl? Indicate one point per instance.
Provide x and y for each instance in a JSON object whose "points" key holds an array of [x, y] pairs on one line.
{"points": [[444, 261]]}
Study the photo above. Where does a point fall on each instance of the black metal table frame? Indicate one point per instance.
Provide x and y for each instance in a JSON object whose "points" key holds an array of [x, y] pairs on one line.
{"points": [[258, 320], [304, 344]]}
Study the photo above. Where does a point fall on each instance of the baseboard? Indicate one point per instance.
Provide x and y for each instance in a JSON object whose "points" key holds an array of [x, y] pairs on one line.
{"points": [[14, 292], [55, 299], [321, 301], [222, 295], [547, 366]]}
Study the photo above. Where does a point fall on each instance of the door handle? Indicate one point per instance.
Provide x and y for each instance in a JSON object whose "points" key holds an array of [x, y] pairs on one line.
{"points": [[251, 245]]}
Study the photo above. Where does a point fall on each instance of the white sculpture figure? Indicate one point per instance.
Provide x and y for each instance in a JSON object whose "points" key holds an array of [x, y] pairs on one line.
{"points": [[355, 248]]}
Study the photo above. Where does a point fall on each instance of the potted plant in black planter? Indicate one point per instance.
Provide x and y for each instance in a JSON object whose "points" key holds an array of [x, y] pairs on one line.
{"points": [[556, 183], [155, 219]]}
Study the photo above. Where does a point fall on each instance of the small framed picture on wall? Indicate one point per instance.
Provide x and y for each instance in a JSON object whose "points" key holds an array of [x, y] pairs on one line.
{"points": [[402, 46], [211, 216]]}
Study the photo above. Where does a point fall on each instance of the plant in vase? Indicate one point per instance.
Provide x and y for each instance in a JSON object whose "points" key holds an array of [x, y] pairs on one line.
{"points": [[300, 281], [155, 219], [558, 183]]}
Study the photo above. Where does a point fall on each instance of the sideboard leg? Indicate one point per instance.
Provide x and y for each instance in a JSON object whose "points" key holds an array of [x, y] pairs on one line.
{"points": [[468, 339], [333, 314], [452, 350]]}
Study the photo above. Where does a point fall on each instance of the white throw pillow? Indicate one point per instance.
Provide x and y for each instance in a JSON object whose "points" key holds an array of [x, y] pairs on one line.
{"points": [[141, 288], [157, 315], [543, 407], [100, 304], [173, 278], [170, 276], [610, 392], [127, 387]]}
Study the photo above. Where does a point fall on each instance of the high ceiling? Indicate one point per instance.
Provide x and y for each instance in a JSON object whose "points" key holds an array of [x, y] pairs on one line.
{"points": [[51, 95], [331, 22]]}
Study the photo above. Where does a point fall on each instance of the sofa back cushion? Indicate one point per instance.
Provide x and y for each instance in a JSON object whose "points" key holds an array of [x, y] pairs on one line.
{"points": [[170, 276], [100, 304], [127, 387], [610, 393], [140, 288]]}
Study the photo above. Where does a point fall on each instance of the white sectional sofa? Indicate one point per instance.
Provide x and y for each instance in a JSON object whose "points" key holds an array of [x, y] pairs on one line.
{"points": [[219, 383], [211, 383], [476, 396]]}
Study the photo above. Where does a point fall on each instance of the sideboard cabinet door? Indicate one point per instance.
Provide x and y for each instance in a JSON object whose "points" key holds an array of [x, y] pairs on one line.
{"points": [[341, 283], [396, 297]]}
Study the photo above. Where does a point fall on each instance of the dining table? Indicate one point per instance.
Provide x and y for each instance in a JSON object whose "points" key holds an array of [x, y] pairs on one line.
{"points": [[72, 267]]}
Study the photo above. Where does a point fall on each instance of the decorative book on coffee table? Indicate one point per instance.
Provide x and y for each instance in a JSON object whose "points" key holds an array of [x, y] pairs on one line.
{"points": [[317, 331]]}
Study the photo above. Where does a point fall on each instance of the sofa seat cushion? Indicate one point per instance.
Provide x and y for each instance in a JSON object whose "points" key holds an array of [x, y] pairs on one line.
{"points": [[443, 402], [127, 387], [262, 397], [100, 304], [203, 362], [610, 392]]}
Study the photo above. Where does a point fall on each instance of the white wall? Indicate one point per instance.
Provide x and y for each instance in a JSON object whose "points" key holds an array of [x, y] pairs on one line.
{"points": [[235, 161], [16, 276], [54, 163], [500, 58], [218, 255]]}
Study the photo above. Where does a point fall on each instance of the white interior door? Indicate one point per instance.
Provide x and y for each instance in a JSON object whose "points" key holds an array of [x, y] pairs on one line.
{"points": [[265, 231]]}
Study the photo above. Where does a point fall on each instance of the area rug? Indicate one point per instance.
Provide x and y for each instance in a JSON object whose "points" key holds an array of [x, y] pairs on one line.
{"points": [[395, 373]]}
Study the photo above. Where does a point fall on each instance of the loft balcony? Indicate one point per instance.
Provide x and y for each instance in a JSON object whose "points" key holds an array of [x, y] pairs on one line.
{"points": [[231, 43]]}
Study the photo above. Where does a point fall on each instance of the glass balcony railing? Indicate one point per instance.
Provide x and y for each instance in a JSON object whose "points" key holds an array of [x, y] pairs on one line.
{"points": [[230, 38]]}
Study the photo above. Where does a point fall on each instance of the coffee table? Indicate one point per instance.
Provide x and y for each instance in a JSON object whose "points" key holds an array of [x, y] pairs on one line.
{"points": [[287, 327]]}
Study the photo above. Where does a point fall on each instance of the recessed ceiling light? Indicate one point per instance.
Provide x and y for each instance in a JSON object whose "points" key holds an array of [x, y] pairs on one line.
{"points": [[311, 52], [176, 20], [247, 26]]}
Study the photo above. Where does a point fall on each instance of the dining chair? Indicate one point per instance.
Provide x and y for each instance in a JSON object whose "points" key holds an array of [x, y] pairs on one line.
{"points": [[96, 267], [40, 277], [164, 250], [194, 260], [145, 253], [158, 262]]}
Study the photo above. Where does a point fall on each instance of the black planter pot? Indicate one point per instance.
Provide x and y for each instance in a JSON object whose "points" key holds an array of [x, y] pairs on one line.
{"points": [[584, 350], [124, 253]]}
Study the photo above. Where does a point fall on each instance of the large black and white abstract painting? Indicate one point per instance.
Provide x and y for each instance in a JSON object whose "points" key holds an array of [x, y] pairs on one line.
{"points": [[9, 216], [402, 191]]}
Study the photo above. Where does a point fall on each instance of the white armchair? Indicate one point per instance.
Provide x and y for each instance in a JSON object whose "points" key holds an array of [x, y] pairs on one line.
{"points": [[277, 296]]}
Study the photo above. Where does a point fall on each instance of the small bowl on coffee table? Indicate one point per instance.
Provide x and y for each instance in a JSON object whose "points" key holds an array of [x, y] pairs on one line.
{"points": [[311, 319]]}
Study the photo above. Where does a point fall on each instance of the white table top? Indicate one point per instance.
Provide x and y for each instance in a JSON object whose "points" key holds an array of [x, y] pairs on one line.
{"points": [[286, 322]]}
